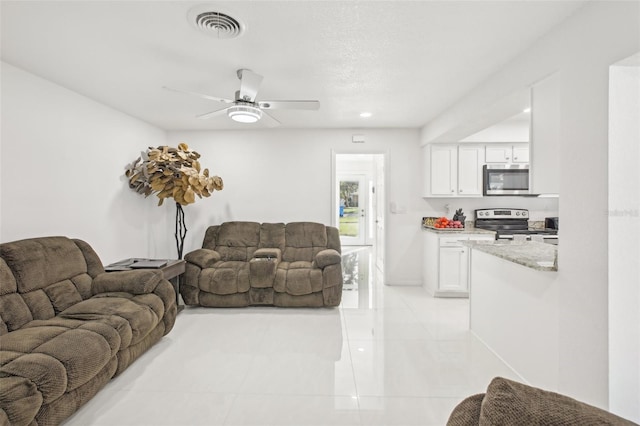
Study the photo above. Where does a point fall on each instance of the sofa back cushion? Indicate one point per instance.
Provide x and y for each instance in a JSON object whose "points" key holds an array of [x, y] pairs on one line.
{"points": [[303, 241], [40, 278], [298, 241], [237, 241], [272, 235]]}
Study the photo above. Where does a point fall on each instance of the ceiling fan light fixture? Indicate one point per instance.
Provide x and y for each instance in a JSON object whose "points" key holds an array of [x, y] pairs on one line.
{"points": [[244, 113]]}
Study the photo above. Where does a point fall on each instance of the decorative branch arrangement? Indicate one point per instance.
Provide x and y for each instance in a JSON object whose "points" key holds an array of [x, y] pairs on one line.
{"points": [[172, 173]]}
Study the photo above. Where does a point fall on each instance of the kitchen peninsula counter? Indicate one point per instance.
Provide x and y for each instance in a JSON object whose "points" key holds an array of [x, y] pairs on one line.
{"points": [[513, 303], [468, 229], [532, 254]]}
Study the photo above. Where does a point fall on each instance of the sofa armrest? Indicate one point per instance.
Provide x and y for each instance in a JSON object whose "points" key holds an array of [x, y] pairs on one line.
{"points": [[268, 253], [327, 257], [508, 402], [467, 412], [134, 282], [203, 258]]}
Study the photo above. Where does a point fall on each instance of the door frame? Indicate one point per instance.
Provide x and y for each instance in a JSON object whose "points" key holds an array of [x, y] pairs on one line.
{"points": [[382, 209]]}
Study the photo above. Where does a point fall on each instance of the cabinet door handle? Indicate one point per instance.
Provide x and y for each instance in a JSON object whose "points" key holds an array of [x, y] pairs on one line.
{"points": [[459, 190], [515, 158], [452, 191]]}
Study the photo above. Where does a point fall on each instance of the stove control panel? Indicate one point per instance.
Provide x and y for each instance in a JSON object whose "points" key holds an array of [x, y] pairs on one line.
{"points": [[502, 214]]}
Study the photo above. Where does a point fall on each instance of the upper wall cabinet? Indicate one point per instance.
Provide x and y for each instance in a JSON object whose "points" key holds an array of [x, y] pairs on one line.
{"points": [[507, 153], [452, 170], [545, 130]]}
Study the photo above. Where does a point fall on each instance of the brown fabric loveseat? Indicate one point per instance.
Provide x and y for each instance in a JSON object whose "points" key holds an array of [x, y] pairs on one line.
{"points": [[67, 327], [248, 263], [515, 404]]}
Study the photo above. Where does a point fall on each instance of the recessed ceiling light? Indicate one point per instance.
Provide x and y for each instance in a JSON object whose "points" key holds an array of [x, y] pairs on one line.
{"points": [[527, 110], [365, 114]]}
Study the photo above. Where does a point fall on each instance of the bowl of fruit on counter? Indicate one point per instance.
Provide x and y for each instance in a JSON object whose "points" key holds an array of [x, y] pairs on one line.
{"points": [[445, 224]]}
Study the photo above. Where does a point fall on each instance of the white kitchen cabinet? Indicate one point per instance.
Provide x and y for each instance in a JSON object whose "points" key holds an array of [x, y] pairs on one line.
{"points": [[454, 269], [469, 170], [507, 153], [443, 168], [521, 153], [446, 263], [452, 170]]}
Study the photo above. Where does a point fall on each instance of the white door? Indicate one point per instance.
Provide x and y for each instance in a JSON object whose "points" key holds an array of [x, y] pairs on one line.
{"points": [[353, 209]]}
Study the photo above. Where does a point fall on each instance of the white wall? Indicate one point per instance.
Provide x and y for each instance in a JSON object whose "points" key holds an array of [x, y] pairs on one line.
{"points": [[624, 240], [285, 175], [511, 130], [581, 50], [61, 171]]}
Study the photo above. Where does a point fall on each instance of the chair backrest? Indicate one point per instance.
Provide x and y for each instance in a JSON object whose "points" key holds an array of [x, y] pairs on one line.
{"points": [[40, 277]]}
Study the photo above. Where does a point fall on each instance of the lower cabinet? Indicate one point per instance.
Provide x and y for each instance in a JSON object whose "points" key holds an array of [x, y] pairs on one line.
{"points": [[445, 270], [453, 269]]}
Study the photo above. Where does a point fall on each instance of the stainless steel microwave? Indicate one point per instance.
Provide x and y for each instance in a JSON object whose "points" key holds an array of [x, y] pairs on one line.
{"points": [[503, 179]]}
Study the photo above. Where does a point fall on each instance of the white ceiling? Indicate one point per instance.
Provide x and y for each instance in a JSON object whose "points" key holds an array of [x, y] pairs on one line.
{"points": [[404, 61]]}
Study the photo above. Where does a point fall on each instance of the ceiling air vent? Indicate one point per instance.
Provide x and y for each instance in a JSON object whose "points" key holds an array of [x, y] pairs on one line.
{"points": [[214, 23]]}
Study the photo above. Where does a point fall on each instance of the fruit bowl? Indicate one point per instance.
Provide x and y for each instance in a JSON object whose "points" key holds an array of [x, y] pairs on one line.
{"points": [[442, 224]]}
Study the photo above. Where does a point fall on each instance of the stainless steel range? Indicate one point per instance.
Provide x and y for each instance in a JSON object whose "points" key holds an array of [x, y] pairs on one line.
{"points": [[511, 222]]}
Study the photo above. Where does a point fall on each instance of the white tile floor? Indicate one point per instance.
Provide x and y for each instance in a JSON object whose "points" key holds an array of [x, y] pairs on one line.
{"points": [[387, 356]]}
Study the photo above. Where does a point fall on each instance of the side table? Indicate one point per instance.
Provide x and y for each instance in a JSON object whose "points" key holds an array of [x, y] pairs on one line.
{"points": [[171, 269]]}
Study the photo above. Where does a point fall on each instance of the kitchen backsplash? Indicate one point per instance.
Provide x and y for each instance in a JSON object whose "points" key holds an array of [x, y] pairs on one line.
{"points": [[539, 208]]}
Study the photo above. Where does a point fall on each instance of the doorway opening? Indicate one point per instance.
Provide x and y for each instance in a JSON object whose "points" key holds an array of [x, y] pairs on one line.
{"points": [[358, 201]]}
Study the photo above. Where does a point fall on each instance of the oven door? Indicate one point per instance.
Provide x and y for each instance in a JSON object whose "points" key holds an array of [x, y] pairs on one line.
{"points": [[506, 180]]}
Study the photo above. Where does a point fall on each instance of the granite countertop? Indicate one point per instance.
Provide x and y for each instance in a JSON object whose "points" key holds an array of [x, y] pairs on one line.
{"points": [[535, 255], [468, 229]]}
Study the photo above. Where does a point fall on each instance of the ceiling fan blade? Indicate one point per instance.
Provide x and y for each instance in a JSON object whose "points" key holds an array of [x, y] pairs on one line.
{"points": [[310, 105], [249, 84], [212, 114], [200, 95], [269, 121]]}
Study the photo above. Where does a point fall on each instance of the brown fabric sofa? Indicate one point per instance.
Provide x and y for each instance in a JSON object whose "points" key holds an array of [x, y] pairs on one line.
{"points": [[248, 263], [67, 327], [515, 404]]}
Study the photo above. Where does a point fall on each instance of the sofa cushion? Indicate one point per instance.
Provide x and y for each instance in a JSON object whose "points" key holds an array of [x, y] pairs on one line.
{"points": [[236, 241], [14, 312], [304, 240], [467, 412], [511, 403], [226, 278], [133, 316], [272, 235], [20, 400], [49, 275], [36, 263], [57, 359], [298, 278]]}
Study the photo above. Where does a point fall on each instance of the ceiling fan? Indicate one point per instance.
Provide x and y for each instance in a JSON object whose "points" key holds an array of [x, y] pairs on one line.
{"points": [[245, 108]]}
